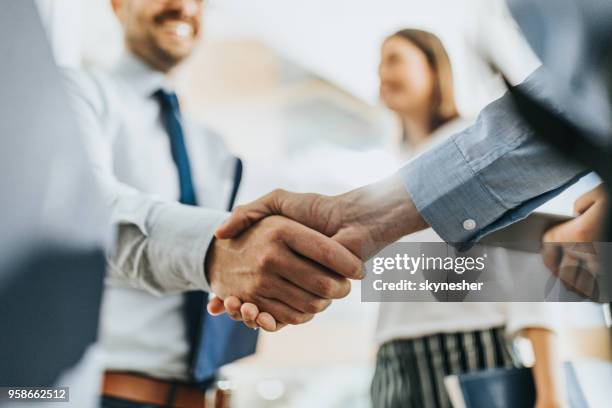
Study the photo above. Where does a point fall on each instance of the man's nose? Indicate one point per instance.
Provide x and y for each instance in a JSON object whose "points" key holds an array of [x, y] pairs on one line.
{"points": [[188, 7]]}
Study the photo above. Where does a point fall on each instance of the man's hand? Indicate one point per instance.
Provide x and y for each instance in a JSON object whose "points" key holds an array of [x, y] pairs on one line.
{"points": [[568, 251], [287, 269], [364, 220]]}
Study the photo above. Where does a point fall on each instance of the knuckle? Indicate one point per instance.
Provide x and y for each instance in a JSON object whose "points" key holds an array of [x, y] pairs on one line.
{"points": [[274, 228], [267, 259], [326, 287], [277, 231]]}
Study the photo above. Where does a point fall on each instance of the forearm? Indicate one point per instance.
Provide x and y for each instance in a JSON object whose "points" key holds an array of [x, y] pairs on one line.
{"points": [[547, 368]]}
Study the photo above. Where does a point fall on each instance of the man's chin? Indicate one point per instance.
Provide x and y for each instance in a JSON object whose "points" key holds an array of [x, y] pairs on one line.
{"points": [[173, 56], [175, 47]]}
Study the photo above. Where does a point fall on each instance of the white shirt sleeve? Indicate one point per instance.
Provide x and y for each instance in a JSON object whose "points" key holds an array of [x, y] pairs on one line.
{"points": [[161, 246]]}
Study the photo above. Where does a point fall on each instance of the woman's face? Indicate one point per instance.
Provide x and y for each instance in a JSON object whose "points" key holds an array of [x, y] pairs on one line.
{"points": [[406, 79]]}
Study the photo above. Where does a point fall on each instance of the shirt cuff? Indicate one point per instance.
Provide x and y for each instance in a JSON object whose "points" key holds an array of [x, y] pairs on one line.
{"points": [[178, 243], [449, 195]]}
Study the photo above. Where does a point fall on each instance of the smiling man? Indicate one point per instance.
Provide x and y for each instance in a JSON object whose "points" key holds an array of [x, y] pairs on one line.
{"points": [[161, 33], [162, 348]]}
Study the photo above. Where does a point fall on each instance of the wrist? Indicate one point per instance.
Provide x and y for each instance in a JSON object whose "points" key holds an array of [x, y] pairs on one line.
{"points": [[384, 209]]}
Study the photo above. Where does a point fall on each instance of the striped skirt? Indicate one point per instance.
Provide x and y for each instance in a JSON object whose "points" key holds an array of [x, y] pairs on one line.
{"points": [[410, 372]]}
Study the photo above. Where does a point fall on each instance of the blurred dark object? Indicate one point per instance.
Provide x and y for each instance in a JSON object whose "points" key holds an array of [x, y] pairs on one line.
{"points": [[573, 38], [49, 313], [52, 227], [507, 388]]}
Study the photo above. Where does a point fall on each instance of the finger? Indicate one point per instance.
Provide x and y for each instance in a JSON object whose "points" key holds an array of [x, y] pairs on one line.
{"points": [[585, 201], [309, 277], [585, 282], [580, 229], [297, 297], [551, 256], [282, 312], [215, 306], [568, 273], [561, 232], [249, 312], [232, 306], [323, 250], [267, 322]]}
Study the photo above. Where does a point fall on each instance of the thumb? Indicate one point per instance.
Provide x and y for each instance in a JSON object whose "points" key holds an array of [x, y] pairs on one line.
{"points": [[246, 215], [237, 222]]}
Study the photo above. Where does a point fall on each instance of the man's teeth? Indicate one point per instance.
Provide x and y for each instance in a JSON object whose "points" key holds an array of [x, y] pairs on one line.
{"points": [[181, 29], [184, 30]]}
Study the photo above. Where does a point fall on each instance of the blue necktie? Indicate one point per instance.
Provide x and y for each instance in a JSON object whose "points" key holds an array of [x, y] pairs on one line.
{"points": [[213, 341]]}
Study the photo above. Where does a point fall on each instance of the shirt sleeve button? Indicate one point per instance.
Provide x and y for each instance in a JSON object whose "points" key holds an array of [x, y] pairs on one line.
{"points": [[469, 224]]}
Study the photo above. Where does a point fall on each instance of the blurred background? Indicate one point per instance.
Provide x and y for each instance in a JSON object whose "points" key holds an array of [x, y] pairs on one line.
{"points": [[292, 86]]}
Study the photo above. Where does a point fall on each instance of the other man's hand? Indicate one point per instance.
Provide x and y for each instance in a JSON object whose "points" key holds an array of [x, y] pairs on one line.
{"points": [[287, 269], [568, 250], [364, 220]]}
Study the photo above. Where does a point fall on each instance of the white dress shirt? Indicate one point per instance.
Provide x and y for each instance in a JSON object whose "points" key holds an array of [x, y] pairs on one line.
{"points": [[161, 244]]}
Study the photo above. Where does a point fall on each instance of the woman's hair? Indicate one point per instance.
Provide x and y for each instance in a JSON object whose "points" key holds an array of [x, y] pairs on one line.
{"points": [[443, 101]]}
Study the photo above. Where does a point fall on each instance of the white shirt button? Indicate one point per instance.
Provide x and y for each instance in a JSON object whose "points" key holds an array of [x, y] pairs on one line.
{"points": [[469, 224]]}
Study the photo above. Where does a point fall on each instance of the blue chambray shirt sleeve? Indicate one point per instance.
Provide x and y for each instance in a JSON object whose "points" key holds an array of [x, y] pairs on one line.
{"points": [[489, 175]]}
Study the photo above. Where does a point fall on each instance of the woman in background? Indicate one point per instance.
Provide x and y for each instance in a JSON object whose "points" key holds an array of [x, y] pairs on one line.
{"points": [[421, 343]]}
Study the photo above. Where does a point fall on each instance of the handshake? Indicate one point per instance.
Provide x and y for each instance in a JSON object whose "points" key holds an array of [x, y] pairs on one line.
{"points": [[284, 257]]}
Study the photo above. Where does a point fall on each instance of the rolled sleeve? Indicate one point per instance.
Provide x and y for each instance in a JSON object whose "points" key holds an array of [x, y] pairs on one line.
{"points": [[489, 175]]}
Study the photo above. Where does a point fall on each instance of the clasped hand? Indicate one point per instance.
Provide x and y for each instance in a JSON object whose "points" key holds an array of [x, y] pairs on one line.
{"points": [[311, 245]]}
